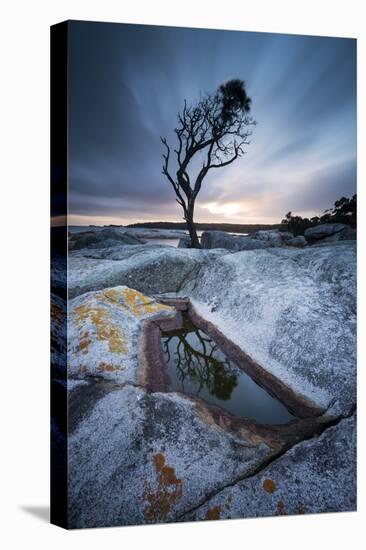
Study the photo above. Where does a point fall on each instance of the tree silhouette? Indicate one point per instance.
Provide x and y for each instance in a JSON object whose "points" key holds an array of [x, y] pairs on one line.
{"points": [[215, 131], [297, 224], [344, 211]]}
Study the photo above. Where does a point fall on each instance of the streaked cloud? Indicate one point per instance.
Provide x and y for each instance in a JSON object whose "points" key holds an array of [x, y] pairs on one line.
{"points": [[127, 83]]}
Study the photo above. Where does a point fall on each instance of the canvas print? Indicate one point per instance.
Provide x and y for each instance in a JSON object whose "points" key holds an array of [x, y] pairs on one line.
{"points": [[203, 231]]}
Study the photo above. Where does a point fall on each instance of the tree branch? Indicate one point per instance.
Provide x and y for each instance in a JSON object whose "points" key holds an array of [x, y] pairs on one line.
{"points": [[166, 173], [217, 127]]}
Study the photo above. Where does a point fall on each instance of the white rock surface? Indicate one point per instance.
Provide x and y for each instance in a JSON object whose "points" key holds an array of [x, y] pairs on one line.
{"points": [[314, 476], [136, 457], [148, 458], [150, 269], [292, 311]]}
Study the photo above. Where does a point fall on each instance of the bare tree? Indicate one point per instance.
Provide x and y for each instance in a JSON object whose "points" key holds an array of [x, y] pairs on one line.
{"points": [[215, 129]]}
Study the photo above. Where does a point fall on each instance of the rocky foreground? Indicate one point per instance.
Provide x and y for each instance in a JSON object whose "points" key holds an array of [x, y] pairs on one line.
{"points": [[142, 456]]}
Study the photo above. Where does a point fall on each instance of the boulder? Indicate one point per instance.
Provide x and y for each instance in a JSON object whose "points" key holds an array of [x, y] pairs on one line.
{"points": [[220, 239], [115, 252], [347, 234], [103, 238], [314, 476], [326, 230], [293, 311], [298, 241], [273, 236], [286, 236], [103, 329], [149, 269]]}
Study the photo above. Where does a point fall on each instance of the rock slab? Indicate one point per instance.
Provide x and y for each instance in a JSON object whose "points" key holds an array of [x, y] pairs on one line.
{"points": [[149, 269], [330, 232], [315, 476], [139, 458], [100, 239], [293, 311]]}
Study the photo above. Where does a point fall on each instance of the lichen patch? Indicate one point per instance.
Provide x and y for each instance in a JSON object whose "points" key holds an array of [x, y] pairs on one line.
{"points": [[107, 367], [168, 490], [141, 305], [213, 513], [104, 329], [269, 486], [132, 301]]}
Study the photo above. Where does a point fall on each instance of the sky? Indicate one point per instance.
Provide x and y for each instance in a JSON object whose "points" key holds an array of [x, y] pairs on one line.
{"points": [[128, 82]]}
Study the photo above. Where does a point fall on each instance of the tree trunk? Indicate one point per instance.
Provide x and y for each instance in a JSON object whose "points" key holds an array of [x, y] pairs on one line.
{"points": [[195, 243]]}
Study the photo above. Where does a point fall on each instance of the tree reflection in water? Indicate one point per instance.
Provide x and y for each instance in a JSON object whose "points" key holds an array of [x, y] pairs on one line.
{"points": [[199, 362], [197, 366]]}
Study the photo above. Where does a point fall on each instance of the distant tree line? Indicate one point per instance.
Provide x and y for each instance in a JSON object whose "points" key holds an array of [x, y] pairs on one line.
{"points": [[344, 211]]}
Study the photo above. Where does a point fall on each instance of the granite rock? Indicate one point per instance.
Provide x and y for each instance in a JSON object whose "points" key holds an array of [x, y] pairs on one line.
{"points": [[220, 239], [318, 475], [136, 457], [333, 231], [293, 311], [103, 332]]}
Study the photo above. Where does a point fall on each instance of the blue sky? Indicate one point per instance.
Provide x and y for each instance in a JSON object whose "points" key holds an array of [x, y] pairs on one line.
{"points": [[128, 82]]}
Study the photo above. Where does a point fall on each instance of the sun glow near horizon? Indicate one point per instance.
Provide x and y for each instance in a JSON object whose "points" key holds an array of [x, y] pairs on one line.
{"points": [[227, 209]]}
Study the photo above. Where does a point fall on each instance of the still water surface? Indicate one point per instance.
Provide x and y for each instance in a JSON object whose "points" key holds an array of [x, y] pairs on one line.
{"points": [[197, 366]]}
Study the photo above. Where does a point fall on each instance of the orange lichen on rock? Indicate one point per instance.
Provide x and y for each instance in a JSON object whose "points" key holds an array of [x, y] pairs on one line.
{"points": [[111, 294], [126, 299], [168, 491], [83, 343], [103, 328], [106, 367], [159, 461], [140, 305], [269, 486], [213, 513], [133, 301]]}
